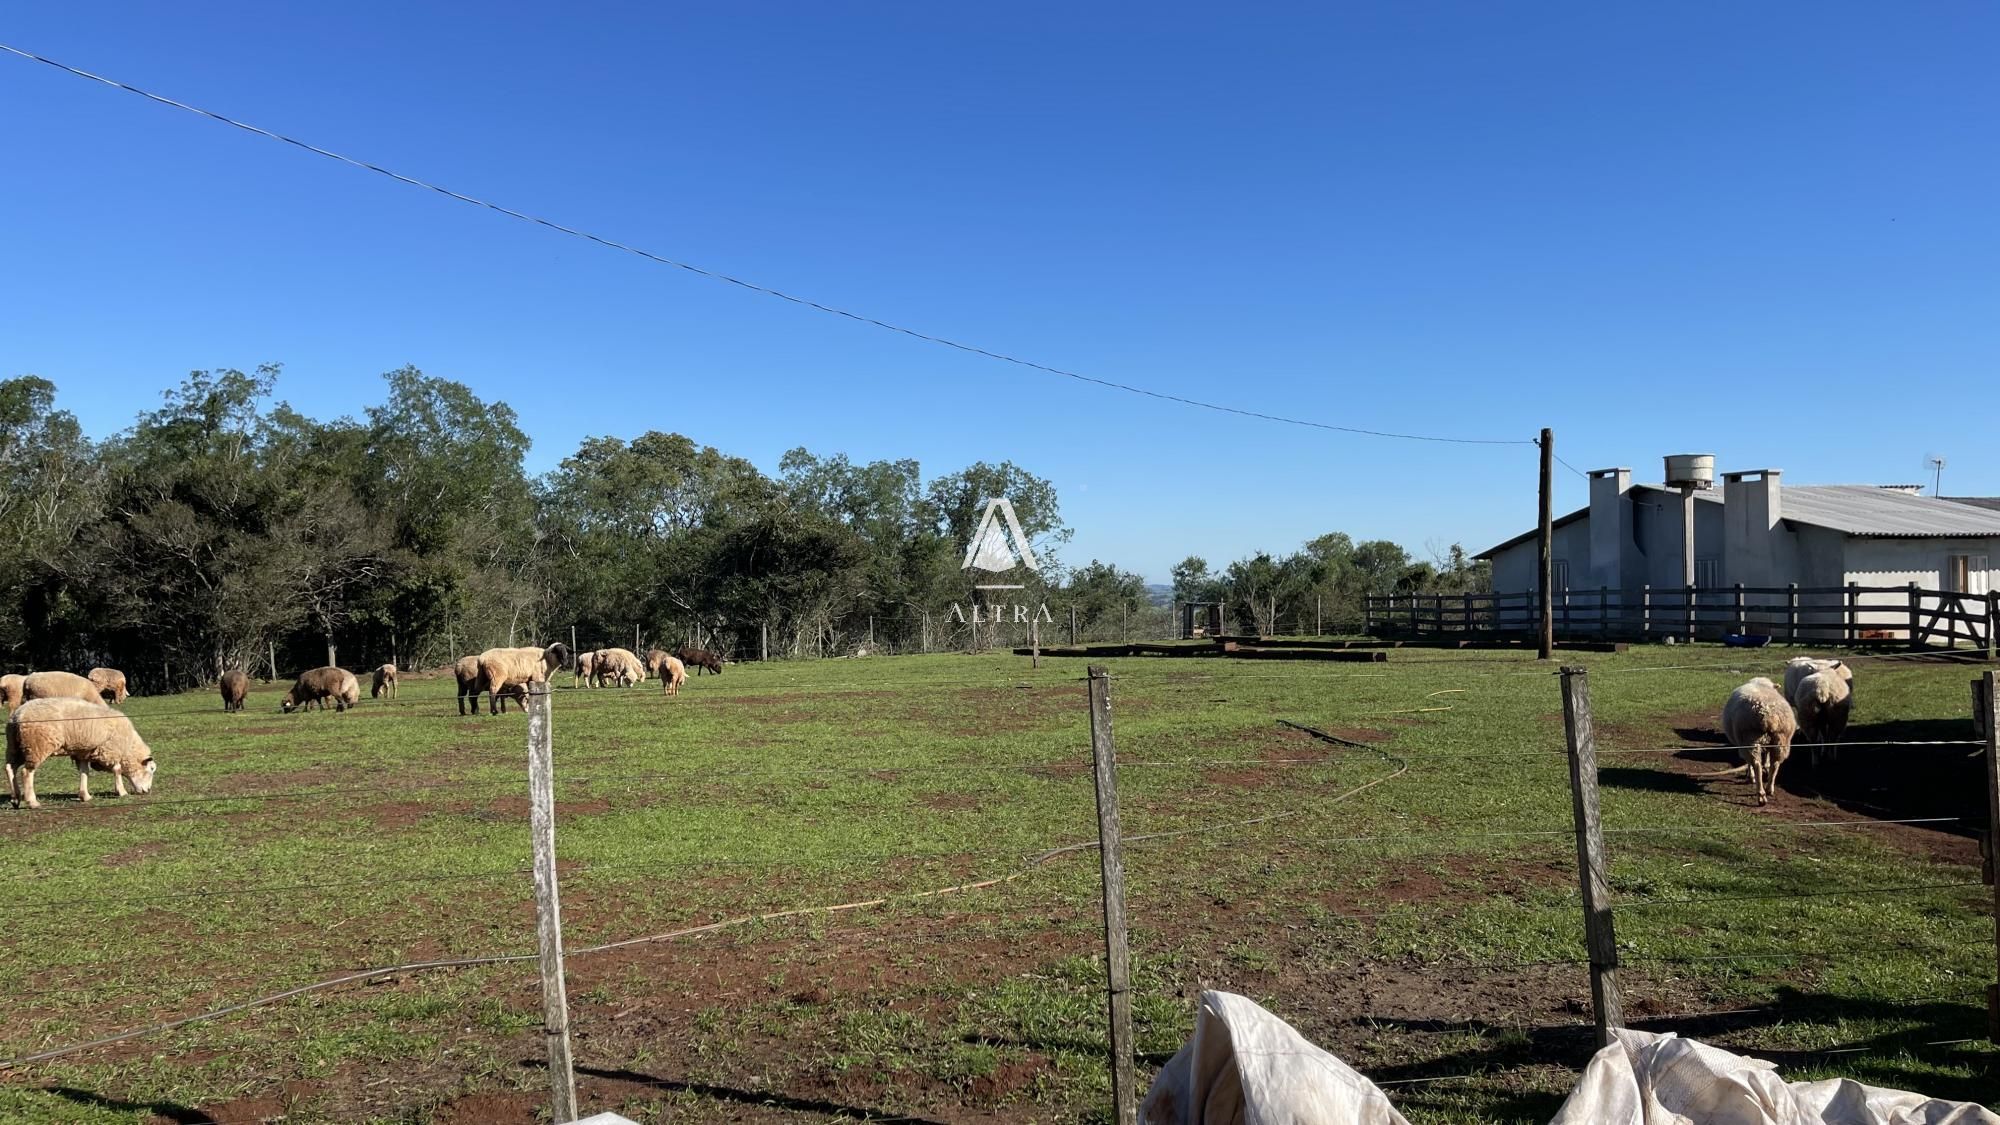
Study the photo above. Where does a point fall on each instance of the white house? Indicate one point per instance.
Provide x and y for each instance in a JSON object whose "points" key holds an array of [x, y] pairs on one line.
{"points": [[1756, 532]]}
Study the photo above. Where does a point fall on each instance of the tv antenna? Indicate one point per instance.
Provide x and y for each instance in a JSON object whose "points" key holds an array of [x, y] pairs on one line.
{"points": [[1935, 464]]}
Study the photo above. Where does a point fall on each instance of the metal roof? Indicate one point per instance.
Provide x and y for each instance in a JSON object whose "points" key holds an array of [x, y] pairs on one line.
{"points": [[1861, 510]]}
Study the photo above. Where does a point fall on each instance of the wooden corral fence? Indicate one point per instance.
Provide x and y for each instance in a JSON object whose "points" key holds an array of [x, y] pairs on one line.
{"points": [[1852, 614]]}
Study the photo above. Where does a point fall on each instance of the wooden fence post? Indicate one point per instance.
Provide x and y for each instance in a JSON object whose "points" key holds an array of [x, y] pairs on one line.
{"points": [[1992, 739], [1853, 613], [1992, 623], [1598, 933], [1072, 625], [1646, 611], [574, 673], [1117, 957], [1319, 629], [1035, 643], [1604, 611], [1791, 613], [764, 642], [1916, 602], [548, 906], [1687, 609], [1742, 625]]}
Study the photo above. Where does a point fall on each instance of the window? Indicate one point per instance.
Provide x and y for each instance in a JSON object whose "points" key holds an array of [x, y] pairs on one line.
{"points": [[1965, 574], [1559, 574], [1707, 574]]}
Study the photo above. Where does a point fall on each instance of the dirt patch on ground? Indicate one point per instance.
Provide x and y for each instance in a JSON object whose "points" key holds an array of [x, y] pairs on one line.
{"points": [[137, 853], [490, 1109], [951, 802]]}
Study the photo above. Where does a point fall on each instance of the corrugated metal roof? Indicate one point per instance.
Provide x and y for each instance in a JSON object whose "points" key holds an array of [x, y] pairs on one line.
{"points": [[1860, 509], [1856, 509]]}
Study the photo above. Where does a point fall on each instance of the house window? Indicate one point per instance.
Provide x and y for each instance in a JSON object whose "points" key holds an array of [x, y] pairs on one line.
{"points": [[1559, 576], [1965, 574], [1707, 574]]}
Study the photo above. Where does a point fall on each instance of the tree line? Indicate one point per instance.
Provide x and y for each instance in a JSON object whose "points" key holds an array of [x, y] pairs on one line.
{"points": [[226, 529]]}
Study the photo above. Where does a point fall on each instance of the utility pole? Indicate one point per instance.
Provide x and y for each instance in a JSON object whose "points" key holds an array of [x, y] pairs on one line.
{"points": [[1544, 569]]}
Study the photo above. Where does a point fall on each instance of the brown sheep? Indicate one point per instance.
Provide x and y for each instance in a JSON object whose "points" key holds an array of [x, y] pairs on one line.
{"points": [[318, 685], [110, 684], [672, 674], [385, 680], [235, 686], [509, 671], [59, 685], [701, 658], [618, 666], [92, 735], [467, 671], [10, 690], [656, 659]]}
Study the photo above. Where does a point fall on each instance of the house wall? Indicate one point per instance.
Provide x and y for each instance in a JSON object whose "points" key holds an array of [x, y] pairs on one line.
{"points": [[1514, 568], [1899, 562], [1657, 534]]}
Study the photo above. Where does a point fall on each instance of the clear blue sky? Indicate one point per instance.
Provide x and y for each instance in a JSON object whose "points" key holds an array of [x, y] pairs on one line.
{"points": [[1767, 231]]}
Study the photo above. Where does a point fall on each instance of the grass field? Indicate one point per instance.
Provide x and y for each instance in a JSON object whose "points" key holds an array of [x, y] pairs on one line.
{"points": [[1426, 928]]}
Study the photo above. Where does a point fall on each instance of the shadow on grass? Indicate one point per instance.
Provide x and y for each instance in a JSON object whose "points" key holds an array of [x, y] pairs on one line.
{"points": [[165, 1111], [1907, 1058], [751, 1097], [1656, 781], [1919, 781]]}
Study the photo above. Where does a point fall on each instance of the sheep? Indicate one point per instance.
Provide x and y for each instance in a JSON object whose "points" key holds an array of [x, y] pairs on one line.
{"points": [[1799, 667], [510, 670], [385, 680], [59, 685], [619, 666], [1822, 703], [586, 669], [701, 658], [110, 684], [672, 674], [10, 690], [1757, 720], [656, 659], [235, 685], [317, 685], [467, 671], [94, 736]]}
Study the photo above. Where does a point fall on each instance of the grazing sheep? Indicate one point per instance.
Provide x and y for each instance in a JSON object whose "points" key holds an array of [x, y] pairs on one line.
{"points": [[656, 658], [1821, 703], [467, 671], [619, 666], [701, 658], [510, 670], [235, 685], [59, 685], [385, 680], [318, 685], [92, 735], [1758, 721], [586, 669], [672, 674], [110, 684], [10, 690]]}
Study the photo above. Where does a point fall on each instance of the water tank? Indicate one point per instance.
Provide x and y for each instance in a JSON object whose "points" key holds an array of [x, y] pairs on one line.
{"points": [[1690, 470]]}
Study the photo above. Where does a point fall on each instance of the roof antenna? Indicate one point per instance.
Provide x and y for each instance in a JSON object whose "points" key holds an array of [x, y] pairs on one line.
{"points": [[1936, 464]]}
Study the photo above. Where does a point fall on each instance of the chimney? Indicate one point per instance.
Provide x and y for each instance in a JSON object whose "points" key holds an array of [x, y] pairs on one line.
{"points": [[1610, 529], [1752, 505]]}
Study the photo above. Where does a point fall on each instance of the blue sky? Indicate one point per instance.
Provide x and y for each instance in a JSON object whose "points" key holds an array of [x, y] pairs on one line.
{"points": [[1765, 231]]}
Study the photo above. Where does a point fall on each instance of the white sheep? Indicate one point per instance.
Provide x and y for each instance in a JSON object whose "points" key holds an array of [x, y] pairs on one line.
{"points": [[1822, 703], [94, 736], [509, 671], [1799, 667], [618, 666], [59, 685], [1759, 722], [672, 673], [10, 690]]}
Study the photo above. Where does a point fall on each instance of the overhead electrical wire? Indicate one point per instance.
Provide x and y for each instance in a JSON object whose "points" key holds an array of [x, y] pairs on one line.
{"points": [[740, 282]]}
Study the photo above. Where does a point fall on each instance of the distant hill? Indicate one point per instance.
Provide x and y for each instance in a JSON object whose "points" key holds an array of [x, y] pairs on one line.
{"points": [[1158, 594]]}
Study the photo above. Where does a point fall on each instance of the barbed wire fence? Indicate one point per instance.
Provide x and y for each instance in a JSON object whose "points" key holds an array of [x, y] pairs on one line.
{"points": [[1602, 961]]}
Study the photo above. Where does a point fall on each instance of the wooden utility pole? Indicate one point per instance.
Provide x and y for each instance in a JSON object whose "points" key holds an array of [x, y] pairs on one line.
{"points": [[1600, 939], [1544, 568], [1117, 956], [548, 906], [1990, 720]]}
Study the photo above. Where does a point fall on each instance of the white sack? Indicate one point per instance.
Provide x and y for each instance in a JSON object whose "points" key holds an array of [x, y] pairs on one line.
{"points": [[1245, 1066]]}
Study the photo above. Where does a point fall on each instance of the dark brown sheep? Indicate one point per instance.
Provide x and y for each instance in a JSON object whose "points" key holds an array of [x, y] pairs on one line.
{"points": [[318, 685], [235, 686], [700, 658]]}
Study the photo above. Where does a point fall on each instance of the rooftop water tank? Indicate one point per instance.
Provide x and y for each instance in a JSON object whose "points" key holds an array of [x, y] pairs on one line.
{"points": [[1691, 470]]}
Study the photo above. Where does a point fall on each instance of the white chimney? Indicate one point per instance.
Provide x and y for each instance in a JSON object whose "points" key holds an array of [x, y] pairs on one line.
{"points": [[1610, 528], [1752, 506]]}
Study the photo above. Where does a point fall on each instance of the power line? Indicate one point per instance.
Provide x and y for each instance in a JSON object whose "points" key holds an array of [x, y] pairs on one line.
{"points": [[713, 275]]}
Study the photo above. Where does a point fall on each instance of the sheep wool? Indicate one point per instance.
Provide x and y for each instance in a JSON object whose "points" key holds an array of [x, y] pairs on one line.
{"points": [[89, 733], [110, 684], [234, 686], [1758, 721], [59, 685], [10, 690], [321, 685], [509, 671]]}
